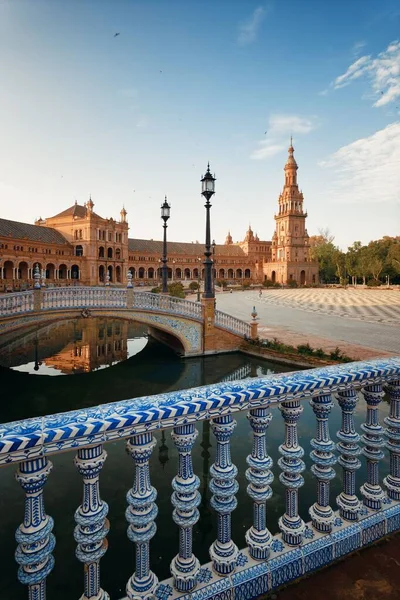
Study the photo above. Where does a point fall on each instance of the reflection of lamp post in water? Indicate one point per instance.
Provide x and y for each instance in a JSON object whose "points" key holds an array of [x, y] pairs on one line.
{"points": [[163, 450], [36, 345]]}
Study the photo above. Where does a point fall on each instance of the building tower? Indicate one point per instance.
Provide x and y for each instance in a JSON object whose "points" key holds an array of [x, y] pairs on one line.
{"points": [[290, 245]]}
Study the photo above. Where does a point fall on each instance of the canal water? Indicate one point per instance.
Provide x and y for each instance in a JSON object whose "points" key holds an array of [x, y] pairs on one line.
{"points": [[86, 362]]}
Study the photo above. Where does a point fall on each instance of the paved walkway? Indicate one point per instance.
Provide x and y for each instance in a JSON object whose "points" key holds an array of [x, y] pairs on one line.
{"points": [[372, 574], [363, 323]]}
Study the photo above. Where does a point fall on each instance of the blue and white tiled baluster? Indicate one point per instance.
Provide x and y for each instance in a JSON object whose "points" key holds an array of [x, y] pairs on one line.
{"points": [[290, 524], [140, 515], [260, 477], [373, 440], [185, 498], [35, 540], [92, 525], [392, 481], [223, 485], [320, 512], [347, 501]]}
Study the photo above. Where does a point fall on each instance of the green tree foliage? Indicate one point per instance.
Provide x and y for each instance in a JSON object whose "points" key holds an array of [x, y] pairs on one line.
{"points": [[176, 289], [378, 261], [323, 251], [193, 285]]}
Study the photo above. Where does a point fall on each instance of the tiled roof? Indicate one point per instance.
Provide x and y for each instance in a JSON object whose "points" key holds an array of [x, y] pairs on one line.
{"points": [[34, 233], [156, 247], [76, 210]]}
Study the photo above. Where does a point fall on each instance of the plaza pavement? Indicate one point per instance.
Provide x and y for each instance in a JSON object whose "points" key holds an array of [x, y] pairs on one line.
{"points": [[362, 322]]}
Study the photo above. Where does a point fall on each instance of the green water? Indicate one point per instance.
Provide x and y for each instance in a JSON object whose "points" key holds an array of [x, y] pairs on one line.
{"points": [[149, 368]]}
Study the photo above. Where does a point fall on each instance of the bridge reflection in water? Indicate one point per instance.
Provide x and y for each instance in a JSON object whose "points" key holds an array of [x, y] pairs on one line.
{"points": [[267, 520]]}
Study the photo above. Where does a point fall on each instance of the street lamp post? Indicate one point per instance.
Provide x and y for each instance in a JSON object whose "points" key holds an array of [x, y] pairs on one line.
{"points": [[214, 272], [208, 190], [198, 279], [165, 214]]}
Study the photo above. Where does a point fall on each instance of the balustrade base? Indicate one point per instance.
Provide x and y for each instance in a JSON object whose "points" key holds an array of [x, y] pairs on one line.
{"points": [[252, 578]]}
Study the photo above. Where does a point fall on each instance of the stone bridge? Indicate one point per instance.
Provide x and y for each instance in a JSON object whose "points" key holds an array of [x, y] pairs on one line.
{"points": [[190, 328]]}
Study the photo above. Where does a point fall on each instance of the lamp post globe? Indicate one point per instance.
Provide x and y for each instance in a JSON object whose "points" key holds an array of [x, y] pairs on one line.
{"points": [[208, 190], [165, 214]]}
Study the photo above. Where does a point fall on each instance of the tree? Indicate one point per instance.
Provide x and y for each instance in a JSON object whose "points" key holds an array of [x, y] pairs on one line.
{"points": [[352, 261], [176, 289], [376, 266], [322, 251], [339, 259], [193, 285], [222, 283], [394, 256]]}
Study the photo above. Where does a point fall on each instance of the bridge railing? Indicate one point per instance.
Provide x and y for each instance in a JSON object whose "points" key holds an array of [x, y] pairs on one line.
{"points": [[233, 324], [11, 304], [83, 297], [170, 304], [268, 561]]}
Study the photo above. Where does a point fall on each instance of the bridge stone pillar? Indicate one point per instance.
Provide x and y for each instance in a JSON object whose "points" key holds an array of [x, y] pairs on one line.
{"points": [[129, 297], [210, 339], [37, 299]]}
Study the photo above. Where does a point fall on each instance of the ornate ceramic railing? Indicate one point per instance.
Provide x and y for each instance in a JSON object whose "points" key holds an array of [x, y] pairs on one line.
{"points": [[268, 561], [232, 324], [169, 304], [11, 304], [83, 297]]}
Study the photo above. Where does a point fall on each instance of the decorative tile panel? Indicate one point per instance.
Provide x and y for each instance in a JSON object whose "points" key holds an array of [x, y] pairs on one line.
{"points": [[286, 567]]}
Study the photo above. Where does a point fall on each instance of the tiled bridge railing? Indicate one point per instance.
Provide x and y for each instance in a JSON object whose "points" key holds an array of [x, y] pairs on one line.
{"points": [[268, 561], [96, 297], [49, 299], [232, 324]]}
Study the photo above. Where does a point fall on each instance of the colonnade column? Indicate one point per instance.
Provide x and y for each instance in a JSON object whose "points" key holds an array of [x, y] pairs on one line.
{"points": [[259, 476], [223, 485], [35, 540], [186, 499], [372, 437], [320, 512], [92, 525], [290, 524], [349, 504], [392, 481], [140, 515]]}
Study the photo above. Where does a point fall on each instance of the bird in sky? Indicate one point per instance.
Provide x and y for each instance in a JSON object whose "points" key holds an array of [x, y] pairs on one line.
{"points": [[265, 132], [115, 34]]}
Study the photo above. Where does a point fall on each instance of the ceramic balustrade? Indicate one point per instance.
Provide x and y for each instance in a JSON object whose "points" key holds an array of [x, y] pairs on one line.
{"points": [[269, 560], [232, 324], [80, 297], [19, 302]]}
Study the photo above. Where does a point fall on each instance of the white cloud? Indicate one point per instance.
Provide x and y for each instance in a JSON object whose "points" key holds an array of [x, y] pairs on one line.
{"points": [[367, 170], [287, 124], [249, 29], [382, 71], [128, 92], [142, 122], [357, 47], [279, 128]]}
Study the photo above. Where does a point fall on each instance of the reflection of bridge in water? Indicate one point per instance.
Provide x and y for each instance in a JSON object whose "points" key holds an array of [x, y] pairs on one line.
{"points": [[191, 328]]}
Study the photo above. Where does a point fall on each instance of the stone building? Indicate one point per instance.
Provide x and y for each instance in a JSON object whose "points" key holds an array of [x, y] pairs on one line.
{"points": [[78, 246]]}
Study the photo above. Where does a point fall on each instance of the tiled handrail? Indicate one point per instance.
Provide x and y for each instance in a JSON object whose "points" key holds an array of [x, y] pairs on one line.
{"points": [[268, 561], [232, 324], [168, 304], [83, 297], [11, 304]]}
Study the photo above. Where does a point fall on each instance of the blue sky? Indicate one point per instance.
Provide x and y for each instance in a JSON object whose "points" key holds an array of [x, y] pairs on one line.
{"points": [[130, 118]]}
